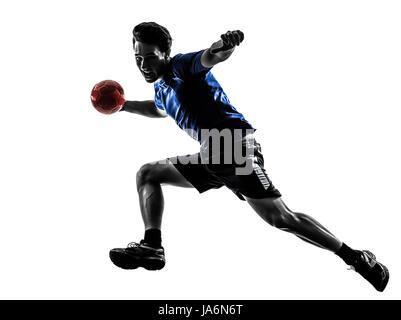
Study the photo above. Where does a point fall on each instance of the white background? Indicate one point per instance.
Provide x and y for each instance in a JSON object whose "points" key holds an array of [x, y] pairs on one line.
{"points": [[319, 79]]}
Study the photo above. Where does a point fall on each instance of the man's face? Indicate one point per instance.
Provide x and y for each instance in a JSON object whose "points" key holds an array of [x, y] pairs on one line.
{"points": [[150, 61]]}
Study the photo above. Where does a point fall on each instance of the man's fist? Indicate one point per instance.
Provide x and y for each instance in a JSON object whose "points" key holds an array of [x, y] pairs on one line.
{"points": [[229, 40]]}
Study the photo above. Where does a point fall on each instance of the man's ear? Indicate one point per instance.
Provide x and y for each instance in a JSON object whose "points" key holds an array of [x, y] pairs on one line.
{"points": [[166, 55]]}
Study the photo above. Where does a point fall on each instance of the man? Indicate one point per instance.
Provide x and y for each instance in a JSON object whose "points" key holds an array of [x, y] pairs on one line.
{"points": [[186, 90]]}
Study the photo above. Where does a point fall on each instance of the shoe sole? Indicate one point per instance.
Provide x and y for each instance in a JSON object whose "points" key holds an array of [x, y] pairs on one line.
{"points": [[126, 261]]}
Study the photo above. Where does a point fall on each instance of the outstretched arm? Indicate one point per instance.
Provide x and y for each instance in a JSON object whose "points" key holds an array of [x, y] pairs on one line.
{"points": [[145, 108], [222, 49]]}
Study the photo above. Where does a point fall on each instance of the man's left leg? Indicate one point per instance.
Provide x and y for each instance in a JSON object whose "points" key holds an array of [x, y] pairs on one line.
{"points": [[276, 213]]}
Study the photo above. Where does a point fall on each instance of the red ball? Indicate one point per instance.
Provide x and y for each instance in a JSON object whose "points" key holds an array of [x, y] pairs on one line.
{"points": [[108, 96]]}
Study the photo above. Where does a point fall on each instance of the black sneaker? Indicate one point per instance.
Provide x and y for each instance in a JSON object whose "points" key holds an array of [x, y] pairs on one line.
{"points": [[368, 267], [138, 255]]}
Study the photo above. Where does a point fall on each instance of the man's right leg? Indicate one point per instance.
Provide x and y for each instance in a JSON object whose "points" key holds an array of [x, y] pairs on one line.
{"points": [[149, 180], [149, 253]]}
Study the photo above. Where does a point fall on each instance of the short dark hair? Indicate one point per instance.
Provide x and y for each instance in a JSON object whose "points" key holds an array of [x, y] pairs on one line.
{"points": [[153, 33]]}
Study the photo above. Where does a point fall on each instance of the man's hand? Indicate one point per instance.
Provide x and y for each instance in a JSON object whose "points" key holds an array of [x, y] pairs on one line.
{"points": [[228, 41], [222, 49]]}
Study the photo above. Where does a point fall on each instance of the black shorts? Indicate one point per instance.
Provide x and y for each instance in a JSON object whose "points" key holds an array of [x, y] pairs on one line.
{"points": [[205, 176]]}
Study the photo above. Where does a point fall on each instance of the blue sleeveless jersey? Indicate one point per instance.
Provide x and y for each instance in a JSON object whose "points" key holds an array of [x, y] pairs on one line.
{"points": [[190, 94]]}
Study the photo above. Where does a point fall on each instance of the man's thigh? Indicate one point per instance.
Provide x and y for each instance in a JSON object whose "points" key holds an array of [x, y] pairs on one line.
{"points": [[196, 173], [165, 172]]}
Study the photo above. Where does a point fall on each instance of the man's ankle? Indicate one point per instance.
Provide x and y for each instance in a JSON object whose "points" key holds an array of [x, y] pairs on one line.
{"points": [[153, 237]]}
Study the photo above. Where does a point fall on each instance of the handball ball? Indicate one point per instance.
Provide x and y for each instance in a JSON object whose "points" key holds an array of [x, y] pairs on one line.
{"points": [[108, 96]]}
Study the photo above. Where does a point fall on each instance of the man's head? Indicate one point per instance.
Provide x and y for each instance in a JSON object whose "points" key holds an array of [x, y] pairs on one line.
{"points": [[152, 45]]}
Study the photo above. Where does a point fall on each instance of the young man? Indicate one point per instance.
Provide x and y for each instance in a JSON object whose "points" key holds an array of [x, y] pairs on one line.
{"points": [[186, 90]]}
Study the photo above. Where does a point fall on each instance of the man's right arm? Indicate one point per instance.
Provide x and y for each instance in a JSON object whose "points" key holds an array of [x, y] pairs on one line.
{"points": [[144, 108]]}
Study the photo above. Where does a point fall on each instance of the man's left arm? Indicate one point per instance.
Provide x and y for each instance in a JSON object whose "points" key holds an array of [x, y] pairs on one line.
{"points": [[222, 49]]}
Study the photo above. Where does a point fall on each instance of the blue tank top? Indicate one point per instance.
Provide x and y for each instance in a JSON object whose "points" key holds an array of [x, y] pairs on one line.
{"points": [[190, 94]]}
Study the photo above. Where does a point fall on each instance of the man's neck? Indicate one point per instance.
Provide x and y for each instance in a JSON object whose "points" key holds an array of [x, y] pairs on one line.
{"points": [[165, 69]]}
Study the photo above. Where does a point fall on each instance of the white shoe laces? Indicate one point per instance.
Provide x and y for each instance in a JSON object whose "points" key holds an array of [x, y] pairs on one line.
{"points": [[133, 245]]}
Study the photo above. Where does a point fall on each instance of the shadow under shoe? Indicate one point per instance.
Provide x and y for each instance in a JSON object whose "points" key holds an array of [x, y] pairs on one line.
{"points": [[138, 255]]}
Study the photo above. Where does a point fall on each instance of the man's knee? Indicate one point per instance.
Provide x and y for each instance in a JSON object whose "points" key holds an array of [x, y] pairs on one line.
{"points": [[146, 174], [286, 220], [276, 213], [281, 219]]}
